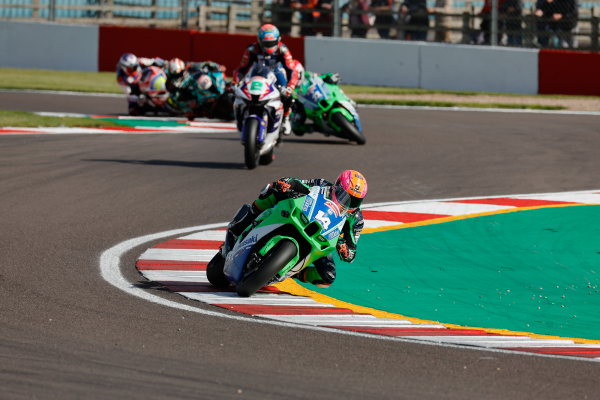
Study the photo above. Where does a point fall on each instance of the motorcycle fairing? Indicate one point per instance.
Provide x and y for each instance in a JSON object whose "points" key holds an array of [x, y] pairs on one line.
{"points": [[236, 259]]}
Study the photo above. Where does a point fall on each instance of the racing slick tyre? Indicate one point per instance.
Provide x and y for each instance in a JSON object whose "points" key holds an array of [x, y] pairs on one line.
{"points": [[348, 128], [267, 158], [275, 261], [251, 152], [214, 271]]}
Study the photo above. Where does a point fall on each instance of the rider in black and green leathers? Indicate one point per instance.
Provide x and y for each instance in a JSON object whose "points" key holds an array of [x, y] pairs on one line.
{"points": [[322, 272]]}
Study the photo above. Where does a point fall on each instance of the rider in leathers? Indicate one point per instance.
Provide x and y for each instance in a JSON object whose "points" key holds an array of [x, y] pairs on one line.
{"points": [[322, 273], [277, 57]]}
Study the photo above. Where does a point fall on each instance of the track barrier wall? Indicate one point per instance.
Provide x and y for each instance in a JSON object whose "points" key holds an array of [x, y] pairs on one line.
{"points": [[48, 46], [569, 73], [360, 61], [365, 61]]}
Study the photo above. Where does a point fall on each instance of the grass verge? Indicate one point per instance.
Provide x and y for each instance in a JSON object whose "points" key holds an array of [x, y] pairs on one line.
{"points": [[419, 103], [23, 119], [36, 79], [357, 89]]}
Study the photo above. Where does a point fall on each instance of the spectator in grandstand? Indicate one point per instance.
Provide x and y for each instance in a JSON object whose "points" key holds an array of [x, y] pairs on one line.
{"points": [[415, 15], [323, 17], [382, 8], [358, 19], [486, 23], [510, 14], [306, 8], [445, 7], [560, 17]]}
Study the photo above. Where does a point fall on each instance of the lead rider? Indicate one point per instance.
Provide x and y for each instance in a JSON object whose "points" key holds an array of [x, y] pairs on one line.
{"points": [[348, 192], [276, 56]]}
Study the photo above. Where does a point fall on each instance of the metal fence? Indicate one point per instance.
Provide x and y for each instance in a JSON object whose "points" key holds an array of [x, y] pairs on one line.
{"points": [[543, 23]]}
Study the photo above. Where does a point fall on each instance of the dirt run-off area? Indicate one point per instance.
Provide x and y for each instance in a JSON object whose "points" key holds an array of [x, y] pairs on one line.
{"points": [[570, 103]]}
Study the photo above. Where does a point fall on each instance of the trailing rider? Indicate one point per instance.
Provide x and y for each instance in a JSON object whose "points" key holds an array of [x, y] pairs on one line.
{"points": [[129, 73], [277, 57]]}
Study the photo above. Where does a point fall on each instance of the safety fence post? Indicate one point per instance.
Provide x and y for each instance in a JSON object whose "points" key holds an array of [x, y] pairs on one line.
{"points": [[36, 9], [466, 27], [184, 14], [595, 31], [202, 11], [337, 19], [231, 18], [51, 9], [254, 11], [494, 30], [109, 8]]}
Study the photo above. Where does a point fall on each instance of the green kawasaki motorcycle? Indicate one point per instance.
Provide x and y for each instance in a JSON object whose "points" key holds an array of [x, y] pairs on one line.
{"points": [[332, 112], [279, 243]]}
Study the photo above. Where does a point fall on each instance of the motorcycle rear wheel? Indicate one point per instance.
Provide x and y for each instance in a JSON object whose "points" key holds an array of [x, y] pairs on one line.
{"points": [[278, 258], [251, 152], [348, 128]]}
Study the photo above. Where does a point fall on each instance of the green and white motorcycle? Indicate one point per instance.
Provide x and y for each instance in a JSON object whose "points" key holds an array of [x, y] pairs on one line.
{"points": [[332, 112], [278, 244]]}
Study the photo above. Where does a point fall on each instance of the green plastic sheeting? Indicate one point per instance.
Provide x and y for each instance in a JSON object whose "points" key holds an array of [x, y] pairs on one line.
{"points": [[533, 271], [145, 122]]}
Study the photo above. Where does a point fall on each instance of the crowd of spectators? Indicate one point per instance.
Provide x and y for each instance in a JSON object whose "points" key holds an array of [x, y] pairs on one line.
{"points": [[555, 20]]}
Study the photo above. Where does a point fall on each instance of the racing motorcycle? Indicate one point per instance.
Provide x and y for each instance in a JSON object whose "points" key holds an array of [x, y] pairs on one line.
{"points": [[258, 111], [153, 89], [201, 94], [278, 244], [332, 112]]}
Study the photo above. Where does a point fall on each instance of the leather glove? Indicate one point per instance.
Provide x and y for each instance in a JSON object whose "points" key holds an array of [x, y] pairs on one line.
{"points": [[281, 186], [333, 79], [287, 91]]}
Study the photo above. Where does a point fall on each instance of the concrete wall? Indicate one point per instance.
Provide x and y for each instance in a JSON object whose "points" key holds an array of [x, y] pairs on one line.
{"points": [[425, 65], [364, 61], [479, 68], [48, 46]]}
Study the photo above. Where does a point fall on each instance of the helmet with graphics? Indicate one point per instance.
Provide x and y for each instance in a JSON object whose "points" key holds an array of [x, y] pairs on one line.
{"points": [[268, 39], [175, 68], [129, 64], [349, 190]]}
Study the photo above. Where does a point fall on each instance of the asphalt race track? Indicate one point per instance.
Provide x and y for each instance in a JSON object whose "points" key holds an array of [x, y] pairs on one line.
{"points": [[64, 199]]}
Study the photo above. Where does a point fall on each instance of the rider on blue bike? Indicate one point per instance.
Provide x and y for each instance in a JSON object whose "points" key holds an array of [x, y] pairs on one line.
{"points": [[277, 57]]}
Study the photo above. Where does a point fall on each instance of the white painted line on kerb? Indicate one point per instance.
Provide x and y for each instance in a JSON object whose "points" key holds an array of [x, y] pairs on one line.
{"points": [[110, 270], [496, 110]]}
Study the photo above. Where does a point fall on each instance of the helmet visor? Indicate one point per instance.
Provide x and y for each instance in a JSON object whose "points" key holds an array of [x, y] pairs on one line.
{"points": [[269, 44], [129, 70], [342, 198]]}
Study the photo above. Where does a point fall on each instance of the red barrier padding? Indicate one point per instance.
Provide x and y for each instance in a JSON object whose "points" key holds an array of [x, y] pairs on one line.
{"points": [[569, 72], [228, 49], [143, 42]]}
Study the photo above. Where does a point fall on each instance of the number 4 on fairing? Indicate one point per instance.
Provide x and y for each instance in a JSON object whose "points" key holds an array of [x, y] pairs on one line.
{"points": [[323, 219]]}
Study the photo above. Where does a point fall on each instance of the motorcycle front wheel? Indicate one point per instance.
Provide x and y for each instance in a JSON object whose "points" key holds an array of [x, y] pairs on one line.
{"points": [[348, 129], [275, 261], [251, 152]]}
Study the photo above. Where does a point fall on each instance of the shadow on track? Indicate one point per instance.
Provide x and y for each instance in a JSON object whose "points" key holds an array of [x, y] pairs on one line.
{"points": [[190, 164], [315, 141]]}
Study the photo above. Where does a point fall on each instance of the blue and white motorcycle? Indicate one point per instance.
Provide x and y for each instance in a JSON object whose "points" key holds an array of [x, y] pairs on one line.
{"points": [[258, 112]]}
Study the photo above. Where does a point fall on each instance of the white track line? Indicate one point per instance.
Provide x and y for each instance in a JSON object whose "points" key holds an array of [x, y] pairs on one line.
{"points": [[110, 271]]}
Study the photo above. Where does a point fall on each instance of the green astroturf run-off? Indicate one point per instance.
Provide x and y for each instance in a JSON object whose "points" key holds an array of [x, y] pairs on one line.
{"points": [[501, 271]]}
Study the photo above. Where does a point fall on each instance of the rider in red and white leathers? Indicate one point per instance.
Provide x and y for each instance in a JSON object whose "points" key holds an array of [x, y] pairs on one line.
{"points": [[129, 73], [269, 51]]}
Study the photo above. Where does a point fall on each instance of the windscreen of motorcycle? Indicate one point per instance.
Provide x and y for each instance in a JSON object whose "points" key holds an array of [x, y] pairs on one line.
{"points": [[311, 93], [318, 207]]}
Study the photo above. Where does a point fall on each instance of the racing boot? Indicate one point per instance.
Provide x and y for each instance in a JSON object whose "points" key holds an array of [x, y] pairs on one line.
{"points": [[243, 218]]}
